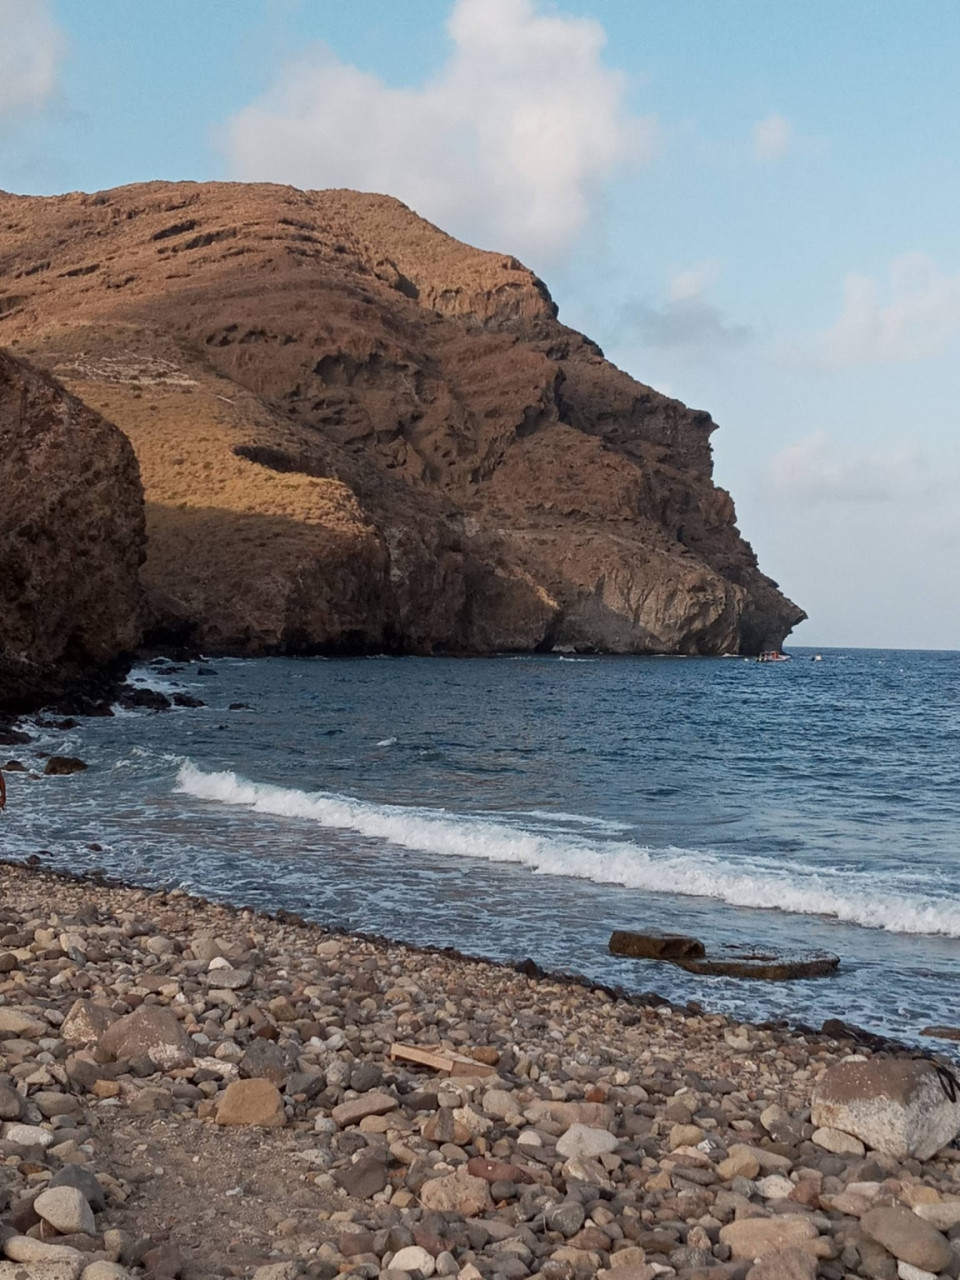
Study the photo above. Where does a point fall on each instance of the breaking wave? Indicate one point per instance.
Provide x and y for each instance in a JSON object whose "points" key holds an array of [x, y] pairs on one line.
{"points": [[851, 897]]}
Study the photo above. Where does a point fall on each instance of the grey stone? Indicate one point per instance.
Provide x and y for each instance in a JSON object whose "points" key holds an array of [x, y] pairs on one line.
{"points": [[567, 1217], [585, 1142], [27, 1135], [364, 1178], [11, 1104], [263, 1059], [66, 1210], [366, 1076], [368, 1104]]}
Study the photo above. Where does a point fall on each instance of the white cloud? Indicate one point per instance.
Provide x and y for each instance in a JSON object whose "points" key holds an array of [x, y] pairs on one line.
{"points": [[813, 471], [772, 138], [509, 143], [686, 320], [919, 318], [31, 46]]}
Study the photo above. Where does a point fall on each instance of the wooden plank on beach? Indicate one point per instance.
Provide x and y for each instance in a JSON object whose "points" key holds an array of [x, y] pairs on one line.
{"points": [[446, 1060]]}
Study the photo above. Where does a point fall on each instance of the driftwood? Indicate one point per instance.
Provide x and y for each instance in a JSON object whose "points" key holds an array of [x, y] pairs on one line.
{"points": [[445, 1060]]}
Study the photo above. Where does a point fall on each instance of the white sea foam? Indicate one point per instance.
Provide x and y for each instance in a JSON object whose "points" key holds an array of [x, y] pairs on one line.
{"points": [[850, 897], [386, 742], [149, 678], [579, 819]]}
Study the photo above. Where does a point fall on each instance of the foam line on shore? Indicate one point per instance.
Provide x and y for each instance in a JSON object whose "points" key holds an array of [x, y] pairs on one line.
{"points": [[850, 897]]}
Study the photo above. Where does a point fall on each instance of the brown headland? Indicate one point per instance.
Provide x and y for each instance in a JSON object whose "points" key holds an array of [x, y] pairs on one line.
{"points": [[356, 433]]}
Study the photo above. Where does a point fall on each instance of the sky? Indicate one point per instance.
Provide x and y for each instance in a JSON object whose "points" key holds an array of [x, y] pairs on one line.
{"points": [[752, 205]]}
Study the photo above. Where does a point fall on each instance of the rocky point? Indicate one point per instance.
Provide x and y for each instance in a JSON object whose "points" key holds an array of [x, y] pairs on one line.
{"points": [[356, 433]]}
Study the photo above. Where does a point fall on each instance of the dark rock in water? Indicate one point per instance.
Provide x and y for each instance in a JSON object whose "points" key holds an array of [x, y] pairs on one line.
{"points": [[728, 962], [187, 700], [654, 946], [942, 1033], [59, 765], [10, 737], [151, 699], [743, 962], [841, 1030], [14, 766], [239, 706]]}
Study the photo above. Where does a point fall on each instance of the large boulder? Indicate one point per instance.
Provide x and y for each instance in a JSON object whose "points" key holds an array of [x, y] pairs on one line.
{"points": [[71, 538], [905, 1107]]}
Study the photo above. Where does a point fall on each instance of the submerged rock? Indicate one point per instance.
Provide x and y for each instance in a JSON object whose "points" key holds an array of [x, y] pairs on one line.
{"points": [[730, 962], [59, 766], [654, 946], [736, 962]]}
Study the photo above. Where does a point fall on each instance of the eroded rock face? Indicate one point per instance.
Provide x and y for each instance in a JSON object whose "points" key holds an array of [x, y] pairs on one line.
{"points": [[71, 538], [357, 433]]}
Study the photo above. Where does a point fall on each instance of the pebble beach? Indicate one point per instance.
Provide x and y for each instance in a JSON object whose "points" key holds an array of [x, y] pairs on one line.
{"points": [[189, 1090]]}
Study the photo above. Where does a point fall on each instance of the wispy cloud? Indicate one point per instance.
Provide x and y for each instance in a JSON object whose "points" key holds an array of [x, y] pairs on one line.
{"points": [[686, 321], [511, 141], [813, 471], [915, 317], [31, 49], [772, 138]]}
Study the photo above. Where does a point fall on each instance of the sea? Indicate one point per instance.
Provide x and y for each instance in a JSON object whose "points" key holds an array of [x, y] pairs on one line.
{"points": [[526, 807]]}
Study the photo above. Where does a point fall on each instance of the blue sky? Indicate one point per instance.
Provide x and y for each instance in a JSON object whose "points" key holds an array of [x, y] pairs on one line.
{"points": [[752, 205]]}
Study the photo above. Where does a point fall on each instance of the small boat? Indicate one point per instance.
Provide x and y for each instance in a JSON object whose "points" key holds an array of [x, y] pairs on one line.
{"points": [[773, 655]]}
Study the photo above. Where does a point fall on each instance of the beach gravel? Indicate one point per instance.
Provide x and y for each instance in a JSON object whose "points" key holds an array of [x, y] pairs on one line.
{"points": [[158, 1122]]}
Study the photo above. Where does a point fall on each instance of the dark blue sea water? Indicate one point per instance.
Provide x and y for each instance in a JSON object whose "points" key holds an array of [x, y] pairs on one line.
{"points": [[517, 807]]}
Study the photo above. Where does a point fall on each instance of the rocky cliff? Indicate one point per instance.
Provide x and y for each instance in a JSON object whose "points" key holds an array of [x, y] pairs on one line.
{"points": [[357, 433], [71, 538]]}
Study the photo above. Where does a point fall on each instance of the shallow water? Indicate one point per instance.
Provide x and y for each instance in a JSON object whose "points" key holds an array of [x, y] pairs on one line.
{"points": [[519, 807]]}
